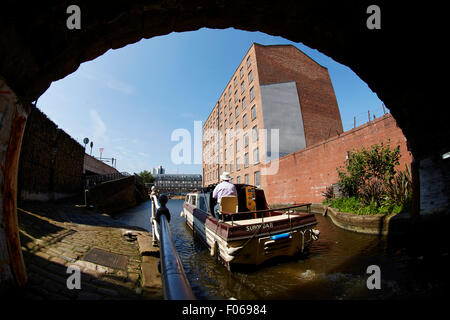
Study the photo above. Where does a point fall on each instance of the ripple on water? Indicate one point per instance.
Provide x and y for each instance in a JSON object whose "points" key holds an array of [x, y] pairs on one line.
{"points": [[334, 269]]}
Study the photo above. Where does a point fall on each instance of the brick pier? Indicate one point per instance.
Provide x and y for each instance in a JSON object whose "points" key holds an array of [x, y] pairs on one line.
{"points": [[57, 236]]}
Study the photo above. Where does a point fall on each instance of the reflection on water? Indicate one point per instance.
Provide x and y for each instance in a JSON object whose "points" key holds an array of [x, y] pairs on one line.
{"points": [[334, 269]]}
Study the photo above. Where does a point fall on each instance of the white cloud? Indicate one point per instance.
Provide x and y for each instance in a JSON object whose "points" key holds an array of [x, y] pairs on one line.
{"points": [[119, 85], [99, 127], [144, 154], [108, 81]]}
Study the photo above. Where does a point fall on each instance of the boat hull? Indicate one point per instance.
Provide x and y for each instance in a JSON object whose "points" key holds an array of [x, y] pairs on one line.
{"points": [[254, 241]]}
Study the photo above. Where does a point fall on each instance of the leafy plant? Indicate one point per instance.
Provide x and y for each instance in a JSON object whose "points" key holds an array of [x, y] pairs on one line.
{"points": [[367, 166], [328, 193], [372, 191], [350, 204], [146, 176], [370, 183], [399, 188], [355, 205], [351, 177]]}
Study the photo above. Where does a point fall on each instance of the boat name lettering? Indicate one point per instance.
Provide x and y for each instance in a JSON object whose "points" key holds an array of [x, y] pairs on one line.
{"points": [[260, 226]]}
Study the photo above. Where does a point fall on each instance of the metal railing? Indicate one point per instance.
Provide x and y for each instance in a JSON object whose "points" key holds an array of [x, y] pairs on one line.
{"points": [[99, 178], [175, 283], [262, 212]]}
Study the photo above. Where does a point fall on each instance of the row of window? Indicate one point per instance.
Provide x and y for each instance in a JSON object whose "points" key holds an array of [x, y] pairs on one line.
{"points": [[230, 167], [256, 179], [236, 114], [229, 117], [209, 134], [236, 109], [233, 148], [230, 134], [236, 94], [175, 183], [245, 162]]}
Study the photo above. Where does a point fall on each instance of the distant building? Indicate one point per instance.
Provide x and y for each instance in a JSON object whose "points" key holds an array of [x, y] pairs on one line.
{"points": [[158, 170], [177, 183]]}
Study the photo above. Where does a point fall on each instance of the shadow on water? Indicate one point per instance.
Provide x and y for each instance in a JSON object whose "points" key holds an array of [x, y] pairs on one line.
{"points": [[138, 216]]}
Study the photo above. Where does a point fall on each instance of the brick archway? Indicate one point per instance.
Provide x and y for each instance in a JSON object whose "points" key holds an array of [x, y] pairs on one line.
{"points": [[37, 48]]}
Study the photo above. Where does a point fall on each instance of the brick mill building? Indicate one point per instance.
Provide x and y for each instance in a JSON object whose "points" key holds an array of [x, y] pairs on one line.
{"points": [[274, 87]]}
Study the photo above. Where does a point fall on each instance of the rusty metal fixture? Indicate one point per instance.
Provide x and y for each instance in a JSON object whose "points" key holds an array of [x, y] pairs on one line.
{"points": [[106, 258]]}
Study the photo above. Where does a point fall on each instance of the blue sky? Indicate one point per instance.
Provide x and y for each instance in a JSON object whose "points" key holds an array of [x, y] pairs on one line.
{"points": [[130, 100]]}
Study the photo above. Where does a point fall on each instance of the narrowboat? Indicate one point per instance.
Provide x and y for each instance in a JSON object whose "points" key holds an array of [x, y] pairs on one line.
{"points": [[247, 231]]}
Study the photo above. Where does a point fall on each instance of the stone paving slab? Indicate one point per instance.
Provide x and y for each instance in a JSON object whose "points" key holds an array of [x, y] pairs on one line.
{"points": [[55, 237], [151, 278], [145, 245]]}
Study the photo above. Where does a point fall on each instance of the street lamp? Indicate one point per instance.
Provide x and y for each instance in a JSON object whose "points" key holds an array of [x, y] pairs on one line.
{"points": [[86, 141]]}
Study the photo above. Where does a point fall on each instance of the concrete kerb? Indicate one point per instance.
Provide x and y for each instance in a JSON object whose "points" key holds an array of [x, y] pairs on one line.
{"points": [[151, 278], [378, 224]]}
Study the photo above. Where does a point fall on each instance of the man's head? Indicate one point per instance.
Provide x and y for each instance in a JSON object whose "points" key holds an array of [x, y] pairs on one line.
{"points": [[225, 176]]}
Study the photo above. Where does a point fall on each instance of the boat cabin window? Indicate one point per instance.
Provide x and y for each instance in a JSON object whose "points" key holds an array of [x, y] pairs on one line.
{"points": [[193, 200]]}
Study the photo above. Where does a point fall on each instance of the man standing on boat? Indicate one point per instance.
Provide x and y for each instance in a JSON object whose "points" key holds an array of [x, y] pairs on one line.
{"points": [[225, 188]]}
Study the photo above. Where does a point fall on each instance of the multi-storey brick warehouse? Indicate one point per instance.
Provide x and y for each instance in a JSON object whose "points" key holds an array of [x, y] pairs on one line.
{"points": [[275, 89]]}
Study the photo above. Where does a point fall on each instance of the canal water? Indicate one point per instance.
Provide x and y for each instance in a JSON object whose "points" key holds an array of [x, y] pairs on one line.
{"points": [[335, 268]]}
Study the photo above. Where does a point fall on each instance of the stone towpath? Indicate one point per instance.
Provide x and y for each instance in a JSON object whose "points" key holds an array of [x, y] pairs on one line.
{"points": [[56, 236]]}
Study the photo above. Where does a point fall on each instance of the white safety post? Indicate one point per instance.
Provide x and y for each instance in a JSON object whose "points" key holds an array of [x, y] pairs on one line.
{"points": [[155, 226]]}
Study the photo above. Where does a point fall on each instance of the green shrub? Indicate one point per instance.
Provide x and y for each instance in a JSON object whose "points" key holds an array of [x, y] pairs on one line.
{"points": [[371, 185], [357, 206], [350, 204], [372, 191], [374, 164]]}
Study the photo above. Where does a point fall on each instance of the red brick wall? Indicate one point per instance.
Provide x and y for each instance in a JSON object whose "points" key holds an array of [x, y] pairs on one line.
{"points": [[305, 174], [320, 112], [51, 162]]}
